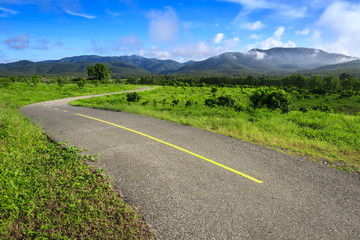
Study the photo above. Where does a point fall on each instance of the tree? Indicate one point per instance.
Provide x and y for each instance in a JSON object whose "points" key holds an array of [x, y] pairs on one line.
{"points": [[271, 98], [35, 80], [99, 72]]}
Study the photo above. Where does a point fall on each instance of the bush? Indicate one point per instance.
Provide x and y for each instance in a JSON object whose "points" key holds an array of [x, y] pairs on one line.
{"points": [[210, 102], [304, 109], [81, 83], [225, 101], [4, 82], [60, 82], [133, 97], [175, 102], [271, 98], [220, 101], [324, 108], [346, 94], [239, 108], [189, 103]]}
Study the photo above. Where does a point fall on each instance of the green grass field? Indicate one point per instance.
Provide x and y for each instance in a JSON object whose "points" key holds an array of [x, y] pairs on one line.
{"points": [[47, 192], [330, 138]]}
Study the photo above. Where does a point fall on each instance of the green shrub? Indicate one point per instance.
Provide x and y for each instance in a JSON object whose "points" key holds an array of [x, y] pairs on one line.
{"points": [[324, 108], [225, 101], [4, 82], [210, 102], [81, 83], [60, 82], [271, 98], [133, 97], [239, 107], [304, 109], [175, 102], [189, 103]]}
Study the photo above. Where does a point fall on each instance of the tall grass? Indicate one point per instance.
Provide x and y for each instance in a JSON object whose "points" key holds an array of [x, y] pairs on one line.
{"points": [[47, 192], [331, 138]]}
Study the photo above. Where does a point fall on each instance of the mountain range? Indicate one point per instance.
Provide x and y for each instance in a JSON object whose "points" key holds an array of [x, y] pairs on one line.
{"points": [[273, 61]]}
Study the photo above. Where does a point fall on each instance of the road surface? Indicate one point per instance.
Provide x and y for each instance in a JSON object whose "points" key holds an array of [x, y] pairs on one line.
{"points": [[194, 184]]}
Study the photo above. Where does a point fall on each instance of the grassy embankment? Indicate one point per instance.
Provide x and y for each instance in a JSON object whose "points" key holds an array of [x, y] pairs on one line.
{"points": [[331, 138], [47, 192]]}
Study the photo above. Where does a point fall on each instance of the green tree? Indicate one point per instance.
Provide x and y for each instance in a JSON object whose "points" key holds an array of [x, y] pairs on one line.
{"points": [[99, 72], [332, 84], [35, 80]]}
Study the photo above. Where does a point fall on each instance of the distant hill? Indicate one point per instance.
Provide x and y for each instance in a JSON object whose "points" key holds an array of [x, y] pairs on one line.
{"points": [[351, 67], [150, 64], [230, 61], [52, 68], [271, 62], [299, 58], [275, 60]]}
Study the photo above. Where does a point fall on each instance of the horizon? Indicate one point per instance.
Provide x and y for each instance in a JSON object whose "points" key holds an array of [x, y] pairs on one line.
{"points": [[38, 30], [97, 55]]}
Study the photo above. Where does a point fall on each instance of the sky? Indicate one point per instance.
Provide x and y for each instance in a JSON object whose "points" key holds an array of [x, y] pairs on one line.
{"points": [[181, 30]]}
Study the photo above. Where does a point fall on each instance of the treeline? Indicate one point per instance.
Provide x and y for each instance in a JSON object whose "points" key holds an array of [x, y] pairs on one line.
{"points": [[314, 84], [345, 84]]}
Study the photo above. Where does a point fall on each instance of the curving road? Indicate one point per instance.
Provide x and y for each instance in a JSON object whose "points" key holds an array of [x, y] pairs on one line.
{"points": [[194, 184]]}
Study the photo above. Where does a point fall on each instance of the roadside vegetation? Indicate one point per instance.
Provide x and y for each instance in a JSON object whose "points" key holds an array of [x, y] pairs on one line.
{"points": [[322, 127], [46, 191]]}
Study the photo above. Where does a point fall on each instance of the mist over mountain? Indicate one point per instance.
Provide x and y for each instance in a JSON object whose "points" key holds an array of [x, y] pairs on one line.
{"points": [[256, 61], [275, 60]]}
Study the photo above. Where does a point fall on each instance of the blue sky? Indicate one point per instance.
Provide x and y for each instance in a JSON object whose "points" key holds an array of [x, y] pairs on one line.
{"points": [[182, 30]]}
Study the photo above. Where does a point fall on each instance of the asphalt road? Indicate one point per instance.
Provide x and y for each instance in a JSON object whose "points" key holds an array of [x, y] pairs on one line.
{"points": [[194, 184]]}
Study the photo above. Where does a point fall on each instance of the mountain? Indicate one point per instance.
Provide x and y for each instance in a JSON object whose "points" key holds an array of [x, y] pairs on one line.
{"points": [[351, 67], [152, 65], [299, 58], [230, 61], [275, 60]]}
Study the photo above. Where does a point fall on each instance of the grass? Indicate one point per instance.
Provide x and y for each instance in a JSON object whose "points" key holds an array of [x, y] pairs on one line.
{"points": [[330, 138], [48, 192]]}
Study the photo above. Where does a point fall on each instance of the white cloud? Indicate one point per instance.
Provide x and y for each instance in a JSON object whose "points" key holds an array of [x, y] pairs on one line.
{"points": [[255, 36], [279, 32], [339, 28], [254, 4], [163, 25], [254, 26], [79, 14], [230, 44], [274, 41], [199, 51], [5, 12], [18, 43], [303, 32], [218, 38], [258, 55], [278, 6], [295, 12], [155, 52]]}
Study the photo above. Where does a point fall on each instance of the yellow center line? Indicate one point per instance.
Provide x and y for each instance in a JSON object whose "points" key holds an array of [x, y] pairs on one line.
{"points": [[65, 111], [174, 146]]}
